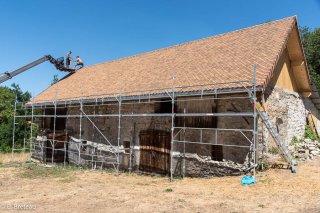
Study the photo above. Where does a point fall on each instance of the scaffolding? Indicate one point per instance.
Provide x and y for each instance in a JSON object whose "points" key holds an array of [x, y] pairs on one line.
{"points": [[107, 151]]}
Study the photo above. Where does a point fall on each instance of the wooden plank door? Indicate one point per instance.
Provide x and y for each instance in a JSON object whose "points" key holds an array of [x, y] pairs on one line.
{"points": [[155, 148]]}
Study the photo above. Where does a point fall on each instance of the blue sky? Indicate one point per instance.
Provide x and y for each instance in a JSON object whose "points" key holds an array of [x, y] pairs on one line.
{"points": [[104, 30]]}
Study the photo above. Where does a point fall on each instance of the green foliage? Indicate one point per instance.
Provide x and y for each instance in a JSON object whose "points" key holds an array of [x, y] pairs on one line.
{"points": [[19, 94], [7, 100], [168, 190], [55, 79], [311, 45], [274, 150], [294, 140], [309, 133], [178, 177], [33, 171], [263, 165]]}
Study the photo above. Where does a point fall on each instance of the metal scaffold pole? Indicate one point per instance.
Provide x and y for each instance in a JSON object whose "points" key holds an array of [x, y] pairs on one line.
{"points": [[80, 133], [119, 128], [172, 127], [65, 143], [14, 125], [184, 143], [54, 133], [25, 129], [44, 144], [254, 118], [31, 129], [131, 141]]}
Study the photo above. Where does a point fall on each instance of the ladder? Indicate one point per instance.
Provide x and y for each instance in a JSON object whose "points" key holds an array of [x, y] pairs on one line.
{"points": [[276, 137]]}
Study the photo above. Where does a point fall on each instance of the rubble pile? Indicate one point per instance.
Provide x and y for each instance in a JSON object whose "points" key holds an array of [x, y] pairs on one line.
{"points": [[305, 150]]}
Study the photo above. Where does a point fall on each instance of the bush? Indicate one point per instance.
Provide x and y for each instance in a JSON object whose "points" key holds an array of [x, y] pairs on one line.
{"points": [[168, 190], [274, 150], [294, 140], [309, 133]]}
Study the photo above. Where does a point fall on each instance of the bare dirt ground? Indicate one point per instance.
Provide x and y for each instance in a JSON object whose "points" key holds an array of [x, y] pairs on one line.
{"points": [[73, 190]]}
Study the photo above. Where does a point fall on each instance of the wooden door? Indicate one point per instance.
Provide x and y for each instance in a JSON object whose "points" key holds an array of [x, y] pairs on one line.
{"points": [[155, 148], [60, 152]]}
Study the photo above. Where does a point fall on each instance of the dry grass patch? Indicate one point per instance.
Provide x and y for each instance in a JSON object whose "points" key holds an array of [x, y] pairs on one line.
{"points": [[6, 158], [72, 189]]}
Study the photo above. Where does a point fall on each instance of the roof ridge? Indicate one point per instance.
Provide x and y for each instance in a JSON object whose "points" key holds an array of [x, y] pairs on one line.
{"points": [[197, 40]]}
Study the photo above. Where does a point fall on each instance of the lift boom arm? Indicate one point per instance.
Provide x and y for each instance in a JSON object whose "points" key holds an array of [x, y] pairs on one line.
{"points": [[58, 63]]}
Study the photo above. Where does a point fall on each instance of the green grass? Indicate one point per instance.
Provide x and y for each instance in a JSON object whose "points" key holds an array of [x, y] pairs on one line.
{"points": [[309, 133], [274, 150], [33, 171], [177, 177], [261, 206], [294, 140], [168, 190], [67, 179]]}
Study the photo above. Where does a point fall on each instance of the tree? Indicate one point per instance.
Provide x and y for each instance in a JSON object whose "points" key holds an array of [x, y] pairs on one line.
{"points": [[55, 79], [311, 45], [7, 100]]}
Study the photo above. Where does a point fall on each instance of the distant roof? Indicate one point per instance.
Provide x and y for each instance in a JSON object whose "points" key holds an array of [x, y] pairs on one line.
{"points": [[222, 58]]}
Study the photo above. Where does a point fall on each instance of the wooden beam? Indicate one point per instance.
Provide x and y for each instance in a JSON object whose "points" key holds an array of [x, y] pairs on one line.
{"points": [[297, 63]]}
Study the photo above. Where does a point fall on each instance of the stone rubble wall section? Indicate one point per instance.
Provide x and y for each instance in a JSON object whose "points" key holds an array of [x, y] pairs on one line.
{"points": [[287, 113], [305, 150]]}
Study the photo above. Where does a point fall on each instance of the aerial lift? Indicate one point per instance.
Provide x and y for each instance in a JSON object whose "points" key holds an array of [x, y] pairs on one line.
{"points": [[58, 63]]}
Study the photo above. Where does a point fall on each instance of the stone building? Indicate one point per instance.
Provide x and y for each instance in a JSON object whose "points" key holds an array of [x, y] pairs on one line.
{"points": [[190, 101]]}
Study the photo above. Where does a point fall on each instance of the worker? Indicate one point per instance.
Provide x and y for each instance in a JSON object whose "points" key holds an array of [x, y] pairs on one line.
{"points": [[79, 63], [68, 59]]}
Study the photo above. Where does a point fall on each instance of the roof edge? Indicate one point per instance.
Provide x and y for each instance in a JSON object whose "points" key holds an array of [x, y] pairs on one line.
{"points": [[284, 45]]}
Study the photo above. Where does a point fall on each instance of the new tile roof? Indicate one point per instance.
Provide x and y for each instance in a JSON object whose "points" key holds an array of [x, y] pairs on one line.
{"points": [[222, 58]]}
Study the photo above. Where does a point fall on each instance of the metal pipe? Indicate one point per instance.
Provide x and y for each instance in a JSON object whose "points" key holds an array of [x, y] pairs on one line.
{"points": [[226, 114], [219, 129], [172, 128], [254, 117], [119, 128], [31, 132], [54, 135], [14, 125], [210, 144], [80, 133]]}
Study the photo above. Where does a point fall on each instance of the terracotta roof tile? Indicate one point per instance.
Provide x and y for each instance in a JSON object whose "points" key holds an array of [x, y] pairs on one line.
{"points": [[222, 58]]}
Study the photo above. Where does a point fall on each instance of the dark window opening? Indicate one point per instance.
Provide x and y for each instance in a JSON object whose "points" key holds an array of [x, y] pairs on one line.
{"points": [[84, 146], [165, 106], [217, 152], [49, 123], [126, 145]]}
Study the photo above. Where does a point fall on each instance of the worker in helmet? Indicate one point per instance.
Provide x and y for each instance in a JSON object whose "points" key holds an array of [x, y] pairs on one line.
{"points": [[79, 63], [68, 59]]}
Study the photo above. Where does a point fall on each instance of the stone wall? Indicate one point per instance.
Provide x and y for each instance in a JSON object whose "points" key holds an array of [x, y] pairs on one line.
{"points": [[236, 154], [313, 112], [131, 127], [287, 113]]}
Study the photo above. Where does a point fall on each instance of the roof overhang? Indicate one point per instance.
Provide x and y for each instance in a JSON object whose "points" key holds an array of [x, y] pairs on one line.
{"points": [[145, 97], [298, 62]]}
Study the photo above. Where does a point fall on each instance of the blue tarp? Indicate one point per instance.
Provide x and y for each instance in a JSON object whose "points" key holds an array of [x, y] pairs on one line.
{"points": [[247, 180]]}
